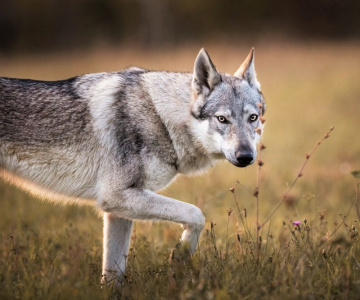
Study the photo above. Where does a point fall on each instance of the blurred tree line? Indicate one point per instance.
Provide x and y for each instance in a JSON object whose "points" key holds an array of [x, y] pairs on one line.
{"points": [[43, 25]]}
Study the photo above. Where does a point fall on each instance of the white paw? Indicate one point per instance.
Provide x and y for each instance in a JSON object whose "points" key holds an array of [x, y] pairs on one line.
{"points": [[193, 228]]}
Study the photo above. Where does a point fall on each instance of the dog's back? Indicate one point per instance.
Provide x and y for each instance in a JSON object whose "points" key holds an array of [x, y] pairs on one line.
{"points": [[41, 114]]}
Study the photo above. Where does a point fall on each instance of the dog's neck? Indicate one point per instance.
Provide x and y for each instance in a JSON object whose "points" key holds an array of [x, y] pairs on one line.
{"points": [[172, 95]]}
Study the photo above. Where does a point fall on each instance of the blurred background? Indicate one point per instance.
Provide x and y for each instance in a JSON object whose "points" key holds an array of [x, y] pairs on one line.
{"points": [[52, 25], [308, 63]]}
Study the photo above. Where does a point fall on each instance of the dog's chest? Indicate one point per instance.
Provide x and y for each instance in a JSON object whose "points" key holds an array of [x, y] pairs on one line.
{"points": [[158, 174]]}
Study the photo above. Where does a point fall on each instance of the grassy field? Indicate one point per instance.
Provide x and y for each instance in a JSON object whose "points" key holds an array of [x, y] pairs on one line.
{"points": [[50, 251]]}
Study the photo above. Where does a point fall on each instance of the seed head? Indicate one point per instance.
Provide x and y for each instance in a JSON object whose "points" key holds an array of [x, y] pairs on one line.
{"points": [[307, 156], [305, 221], [232, 189], [260, 163], [289, 199], [322, 215], [262, 147], [238, 237], [229, 211], [324, 253]]}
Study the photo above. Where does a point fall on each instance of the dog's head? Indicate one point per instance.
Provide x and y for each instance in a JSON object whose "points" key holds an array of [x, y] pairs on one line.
{"points": [[226, 110]]}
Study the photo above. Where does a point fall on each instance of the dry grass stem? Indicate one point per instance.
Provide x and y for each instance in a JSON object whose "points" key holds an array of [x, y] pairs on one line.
{"points": [[299, 174]]}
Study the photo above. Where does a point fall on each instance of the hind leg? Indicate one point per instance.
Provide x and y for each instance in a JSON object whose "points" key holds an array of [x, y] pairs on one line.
{"points": [[116, 242]]}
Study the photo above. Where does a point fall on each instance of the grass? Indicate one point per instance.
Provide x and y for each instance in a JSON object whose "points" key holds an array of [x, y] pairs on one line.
{"points": [[50, 251]]}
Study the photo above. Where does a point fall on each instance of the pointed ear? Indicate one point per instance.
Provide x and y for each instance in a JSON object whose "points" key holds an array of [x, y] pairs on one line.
{"points": [[247, 70], [205, 76]]}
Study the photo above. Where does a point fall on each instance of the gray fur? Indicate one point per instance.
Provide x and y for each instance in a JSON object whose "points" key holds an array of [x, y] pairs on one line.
{"points": [[117, 138]]}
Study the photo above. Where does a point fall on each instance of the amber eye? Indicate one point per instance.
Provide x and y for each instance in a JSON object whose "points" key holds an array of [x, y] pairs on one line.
{"points": [[221, 119], [253, 118]]}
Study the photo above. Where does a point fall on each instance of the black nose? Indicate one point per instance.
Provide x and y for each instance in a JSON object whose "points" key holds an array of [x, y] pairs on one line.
{"points": [[244, 159]]}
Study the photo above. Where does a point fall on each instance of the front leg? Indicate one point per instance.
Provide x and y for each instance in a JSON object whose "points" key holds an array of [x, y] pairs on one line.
{"points": [[116, 242], [146, 205]]}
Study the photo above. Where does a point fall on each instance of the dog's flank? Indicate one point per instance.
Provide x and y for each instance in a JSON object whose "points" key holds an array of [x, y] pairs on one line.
{"points": [[117, 138]]}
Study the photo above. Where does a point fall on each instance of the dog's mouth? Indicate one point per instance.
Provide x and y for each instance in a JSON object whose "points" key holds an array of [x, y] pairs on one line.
{"points": [[242, 164]]}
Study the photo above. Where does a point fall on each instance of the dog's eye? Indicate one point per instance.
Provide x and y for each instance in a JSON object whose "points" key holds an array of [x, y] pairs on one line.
{"points": [[253, 118], [221, 119]]}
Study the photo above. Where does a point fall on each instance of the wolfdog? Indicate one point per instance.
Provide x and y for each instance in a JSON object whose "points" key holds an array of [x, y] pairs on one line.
{"points": [[116, 138]]}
